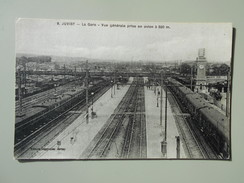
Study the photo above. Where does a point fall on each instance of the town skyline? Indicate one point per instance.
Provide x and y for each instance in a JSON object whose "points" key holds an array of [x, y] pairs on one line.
{"points": [[180, 42]]}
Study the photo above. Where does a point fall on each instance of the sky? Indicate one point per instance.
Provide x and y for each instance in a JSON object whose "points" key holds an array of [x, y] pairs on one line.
{"points": [[180, 41]]}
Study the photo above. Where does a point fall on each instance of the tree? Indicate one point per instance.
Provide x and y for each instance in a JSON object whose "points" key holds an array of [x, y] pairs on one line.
{"points": [[221, 70], [224, 69], [185, 69]]}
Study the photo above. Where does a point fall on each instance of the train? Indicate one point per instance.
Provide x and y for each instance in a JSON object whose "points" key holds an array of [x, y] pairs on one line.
{"points": [[40, 87], [213, 125], [186, 80], [48, 110]]}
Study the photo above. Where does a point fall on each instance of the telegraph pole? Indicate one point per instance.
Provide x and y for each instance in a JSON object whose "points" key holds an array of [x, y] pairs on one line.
{"points": [[20, 113], [166, 98], [164, 142], [191, 78], [161, 100], [154, 85], [228, 96], [87, 99], [20, 93], [25, 75]]}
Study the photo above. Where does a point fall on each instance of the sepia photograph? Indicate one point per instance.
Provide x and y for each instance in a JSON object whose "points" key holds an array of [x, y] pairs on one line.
{"points": [[88, 89]]}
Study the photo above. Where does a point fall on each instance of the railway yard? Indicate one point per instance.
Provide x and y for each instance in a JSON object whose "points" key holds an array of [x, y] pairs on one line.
{"points": [[130, 119], [130, 92]]}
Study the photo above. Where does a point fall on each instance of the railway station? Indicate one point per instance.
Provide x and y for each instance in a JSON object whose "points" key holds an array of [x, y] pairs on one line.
{"points": [[145, 90], [123, 112]]}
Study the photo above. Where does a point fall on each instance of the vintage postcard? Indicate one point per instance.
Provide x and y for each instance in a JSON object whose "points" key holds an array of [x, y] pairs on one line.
{"points": [[122, 90]]}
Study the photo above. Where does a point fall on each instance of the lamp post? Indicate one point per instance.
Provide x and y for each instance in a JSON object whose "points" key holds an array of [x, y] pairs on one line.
{"points": [[120, 81], [191, 77], [111, 89], [177, 147], [154, 84], [114, 82], [92, 93]]}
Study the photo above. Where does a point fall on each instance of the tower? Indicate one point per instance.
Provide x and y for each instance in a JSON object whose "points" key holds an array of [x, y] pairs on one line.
{"points": [[201, 79]]}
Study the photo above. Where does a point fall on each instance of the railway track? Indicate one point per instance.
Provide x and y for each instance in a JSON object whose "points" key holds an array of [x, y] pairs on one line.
{"points": [[45, 116], [135, 141], [47, 131], [37, 99], [193, 143], [29, 101], [128, 113]]}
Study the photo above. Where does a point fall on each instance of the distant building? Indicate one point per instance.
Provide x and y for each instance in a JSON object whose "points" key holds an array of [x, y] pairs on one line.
{"points": [[201, 53], [40, 59]]}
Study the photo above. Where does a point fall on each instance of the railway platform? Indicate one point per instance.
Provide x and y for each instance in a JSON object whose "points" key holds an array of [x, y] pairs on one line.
{"points": [[155, 132], [71, 142]]}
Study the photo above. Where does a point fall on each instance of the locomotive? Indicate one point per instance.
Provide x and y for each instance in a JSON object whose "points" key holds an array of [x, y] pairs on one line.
{"points": [[213, 124]]}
